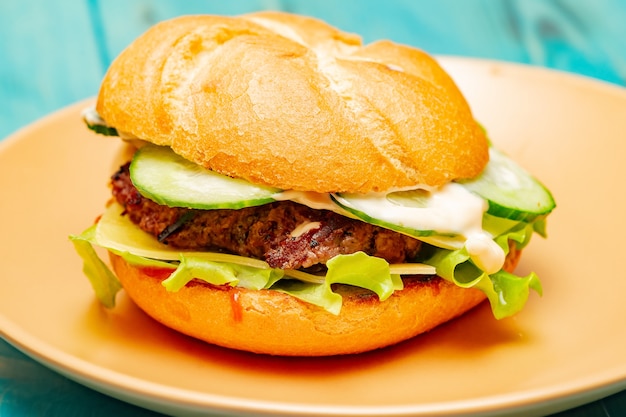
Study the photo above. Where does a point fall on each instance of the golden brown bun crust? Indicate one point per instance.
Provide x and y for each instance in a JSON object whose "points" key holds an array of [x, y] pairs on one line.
{"points": [[274, 323], [291, 102]]}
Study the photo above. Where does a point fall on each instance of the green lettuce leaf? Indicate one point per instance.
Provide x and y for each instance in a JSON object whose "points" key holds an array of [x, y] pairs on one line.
{"points": [[362, 270], [507, 293], [320, 295], [220, 273], [357, 269], [105, 284]]}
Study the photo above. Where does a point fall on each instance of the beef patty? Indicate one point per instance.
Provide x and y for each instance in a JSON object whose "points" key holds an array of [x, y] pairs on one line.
{"points": [[286, 235]]}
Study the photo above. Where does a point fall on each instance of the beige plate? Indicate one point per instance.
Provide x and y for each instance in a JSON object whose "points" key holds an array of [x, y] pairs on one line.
{"points": [[564, 349]]}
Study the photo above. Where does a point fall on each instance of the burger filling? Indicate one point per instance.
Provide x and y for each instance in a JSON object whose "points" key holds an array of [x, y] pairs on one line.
{"points": [[196, 224], [285, 234]]}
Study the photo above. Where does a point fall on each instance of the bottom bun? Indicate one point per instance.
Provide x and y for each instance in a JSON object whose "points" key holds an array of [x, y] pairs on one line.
{"points": [[271, 322]]}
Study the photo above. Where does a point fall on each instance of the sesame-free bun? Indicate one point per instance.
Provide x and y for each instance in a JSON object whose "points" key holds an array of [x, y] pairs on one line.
{"points": [[291, 102], [271, 322]]}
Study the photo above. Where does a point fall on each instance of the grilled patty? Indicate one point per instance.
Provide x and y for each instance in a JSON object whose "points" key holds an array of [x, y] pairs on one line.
{"points": [[286, 235]]}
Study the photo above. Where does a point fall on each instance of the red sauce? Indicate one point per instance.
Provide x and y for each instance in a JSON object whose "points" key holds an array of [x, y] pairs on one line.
{"points": [[156, 272], [236, 306], [164, 273]]}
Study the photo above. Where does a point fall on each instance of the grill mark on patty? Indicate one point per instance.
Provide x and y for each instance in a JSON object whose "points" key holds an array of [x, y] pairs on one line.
{"points": [[262, 232]]}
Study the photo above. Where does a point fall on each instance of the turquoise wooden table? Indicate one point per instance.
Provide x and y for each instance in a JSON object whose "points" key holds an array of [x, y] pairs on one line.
{"points": [[55, 53]]}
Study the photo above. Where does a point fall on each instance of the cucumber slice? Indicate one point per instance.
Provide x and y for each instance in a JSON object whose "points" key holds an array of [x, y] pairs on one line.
{"points": [[511, 192], [169, 179], [449, 211], [94, 122], [365, 209]]}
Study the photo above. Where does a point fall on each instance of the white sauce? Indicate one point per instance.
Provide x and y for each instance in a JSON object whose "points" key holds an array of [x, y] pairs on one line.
{"points": [[451, 210], [485, 253], [303, 228], [317, 201]]}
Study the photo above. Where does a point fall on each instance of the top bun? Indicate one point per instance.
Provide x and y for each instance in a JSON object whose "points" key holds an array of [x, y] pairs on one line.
{"points": [[291, 102]]}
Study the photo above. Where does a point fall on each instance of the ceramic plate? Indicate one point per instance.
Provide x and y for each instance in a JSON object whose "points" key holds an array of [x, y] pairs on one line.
{"points": [[563, 350]]}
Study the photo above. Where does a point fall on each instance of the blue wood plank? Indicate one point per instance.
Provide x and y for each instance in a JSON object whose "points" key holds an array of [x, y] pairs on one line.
{"points": [[569, 35], [55, 54], [29, 389], [423, 24], [615, 405], [584, 37], [47, 59], [122, 20]]}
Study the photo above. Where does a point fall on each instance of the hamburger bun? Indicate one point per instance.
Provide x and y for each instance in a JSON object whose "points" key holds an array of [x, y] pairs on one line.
{"points": [[291, 102], [274, 323]]}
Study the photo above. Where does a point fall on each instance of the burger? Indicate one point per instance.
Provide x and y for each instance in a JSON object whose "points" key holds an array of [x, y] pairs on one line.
{"points": [[291, 191]]}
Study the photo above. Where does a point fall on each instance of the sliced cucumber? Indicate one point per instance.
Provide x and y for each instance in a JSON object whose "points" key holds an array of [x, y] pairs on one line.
{"points": [[169, 179], [94, 122], [503, 190], [511, 192], [448, 211], [364, 209]]}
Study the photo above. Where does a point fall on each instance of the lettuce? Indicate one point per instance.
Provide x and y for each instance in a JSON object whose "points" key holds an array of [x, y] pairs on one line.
{"points": [[356, 269], [220, 273], [317, 294], [507, 293], [103, 281]]}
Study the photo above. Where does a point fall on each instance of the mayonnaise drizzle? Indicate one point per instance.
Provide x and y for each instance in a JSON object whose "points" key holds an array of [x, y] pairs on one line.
{"points": [[451, 210], [317, 201]]}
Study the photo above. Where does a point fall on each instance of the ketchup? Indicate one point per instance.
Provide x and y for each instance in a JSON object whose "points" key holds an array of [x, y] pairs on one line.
{"points": [[157, 272], [236, 306]]}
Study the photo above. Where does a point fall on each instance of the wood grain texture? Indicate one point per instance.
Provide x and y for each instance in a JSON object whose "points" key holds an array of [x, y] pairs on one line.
{"points": [[29, 389], [55, 53]]}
